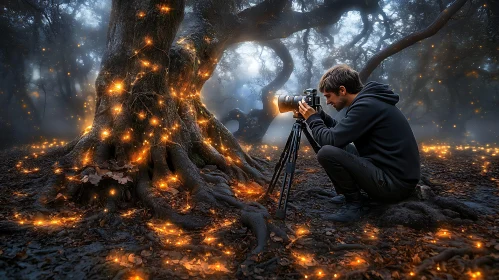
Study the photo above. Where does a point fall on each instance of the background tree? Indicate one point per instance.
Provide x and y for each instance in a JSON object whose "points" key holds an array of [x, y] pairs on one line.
{"points": [[46, 67]]}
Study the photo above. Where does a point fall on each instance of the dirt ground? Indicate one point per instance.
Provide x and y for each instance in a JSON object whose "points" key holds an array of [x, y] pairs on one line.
{"points": [[68, 242]]}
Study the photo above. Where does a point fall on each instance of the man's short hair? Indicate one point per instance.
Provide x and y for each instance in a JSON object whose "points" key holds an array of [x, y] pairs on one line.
{"points": [[340, 75]]}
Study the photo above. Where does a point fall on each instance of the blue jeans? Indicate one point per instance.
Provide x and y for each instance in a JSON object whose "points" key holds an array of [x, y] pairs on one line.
{"points": [[350, 173]]}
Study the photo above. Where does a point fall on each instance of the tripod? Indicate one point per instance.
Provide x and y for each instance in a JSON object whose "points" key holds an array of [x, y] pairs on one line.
{"points": [[288, 157]]}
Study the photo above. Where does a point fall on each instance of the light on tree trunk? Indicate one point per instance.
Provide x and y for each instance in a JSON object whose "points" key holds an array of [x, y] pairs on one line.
{"points": [[154, 121], [117, 109], [105, 134], [117, 87], [164, 9]]}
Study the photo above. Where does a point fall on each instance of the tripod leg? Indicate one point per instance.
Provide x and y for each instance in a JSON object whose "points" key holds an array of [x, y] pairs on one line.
{"points": [[278, 168], [290, 170], [310, 139]]}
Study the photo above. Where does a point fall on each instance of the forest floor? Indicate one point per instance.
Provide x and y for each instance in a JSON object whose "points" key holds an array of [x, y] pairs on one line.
{"points": [[66, 244]]}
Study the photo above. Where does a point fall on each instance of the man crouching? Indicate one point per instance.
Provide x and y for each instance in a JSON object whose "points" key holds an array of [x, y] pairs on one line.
{"points": [[388, 167]]}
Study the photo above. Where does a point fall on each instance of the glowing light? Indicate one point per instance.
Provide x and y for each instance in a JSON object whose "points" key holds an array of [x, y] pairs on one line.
{"points": [[87, 129], [126, 137], [141, 14], [148, 41], [209, 240], [169, 234], [164, 9], [117, 87], [154, 121], [105, 133], [163, 185], [112, 192], [117, 109], [50, 222], [86, 158], [302, 231]]}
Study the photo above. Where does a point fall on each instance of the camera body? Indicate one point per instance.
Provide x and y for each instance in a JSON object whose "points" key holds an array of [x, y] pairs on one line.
{"points": [[287, 103]]}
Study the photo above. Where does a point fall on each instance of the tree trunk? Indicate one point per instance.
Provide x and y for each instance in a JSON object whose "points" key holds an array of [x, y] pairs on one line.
{"points": [[254, 125], [149, 120]]}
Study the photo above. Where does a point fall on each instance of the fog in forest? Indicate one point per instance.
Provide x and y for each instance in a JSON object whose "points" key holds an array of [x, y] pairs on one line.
{"points": [[50, 54]]}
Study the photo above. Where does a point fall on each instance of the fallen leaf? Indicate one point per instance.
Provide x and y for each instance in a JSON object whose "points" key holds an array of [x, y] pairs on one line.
{"points": [[284, 262], [94, 179], [416, 259], [277, 239], [146, 253]]}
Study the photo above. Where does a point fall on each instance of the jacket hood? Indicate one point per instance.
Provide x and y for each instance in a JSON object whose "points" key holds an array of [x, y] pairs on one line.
{"points": [[378, 91]]}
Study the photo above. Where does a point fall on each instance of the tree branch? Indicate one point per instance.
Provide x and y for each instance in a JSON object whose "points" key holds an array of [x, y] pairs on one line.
{"points": [[262, 11], [283, 24], [367, 25], [287, 68], [411, 39]]}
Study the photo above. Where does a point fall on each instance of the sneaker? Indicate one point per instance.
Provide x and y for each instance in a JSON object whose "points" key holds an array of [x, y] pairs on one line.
{"points": [[339, 199], [349, 212]]}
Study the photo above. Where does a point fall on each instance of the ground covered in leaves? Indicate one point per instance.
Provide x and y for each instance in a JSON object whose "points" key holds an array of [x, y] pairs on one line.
{"points": [[69, 242]]}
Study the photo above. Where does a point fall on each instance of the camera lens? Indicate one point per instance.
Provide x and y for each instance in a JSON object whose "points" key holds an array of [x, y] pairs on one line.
{"points": [[288, 103]]}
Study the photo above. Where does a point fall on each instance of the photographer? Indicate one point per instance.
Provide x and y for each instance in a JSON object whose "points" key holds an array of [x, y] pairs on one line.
{"points": [[387, 167]]}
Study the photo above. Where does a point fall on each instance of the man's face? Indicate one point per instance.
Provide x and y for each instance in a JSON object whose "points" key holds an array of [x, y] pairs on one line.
{"points": [[337, 101]]}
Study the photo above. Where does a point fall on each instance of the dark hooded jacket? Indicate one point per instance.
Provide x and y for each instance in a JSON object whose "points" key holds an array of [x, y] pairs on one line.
{"points": [[379, 131]]}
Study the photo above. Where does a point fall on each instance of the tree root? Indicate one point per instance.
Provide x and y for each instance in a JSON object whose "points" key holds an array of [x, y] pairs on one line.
{"points": [[161, 209], [209, 186], [254, 219], [429, 214], [445, 256], [456, 206], [254, 216]]}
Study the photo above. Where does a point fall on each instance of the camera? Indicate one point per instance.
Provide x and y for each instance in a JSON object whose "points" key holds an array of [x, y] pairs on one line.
{"points": [[287, 103]]}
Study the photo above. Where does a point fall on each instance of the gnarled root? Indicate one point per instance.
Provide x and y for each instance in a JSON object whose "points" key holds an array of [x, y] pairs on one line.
{"points": [[160, 208]]}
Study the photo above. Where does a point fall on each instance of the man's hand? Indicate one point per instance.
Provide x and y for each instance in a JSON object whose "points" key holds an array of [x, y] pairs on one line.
{"points": [[305, 110]]}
